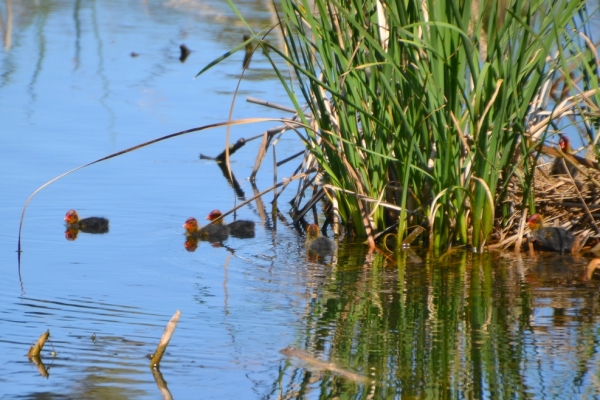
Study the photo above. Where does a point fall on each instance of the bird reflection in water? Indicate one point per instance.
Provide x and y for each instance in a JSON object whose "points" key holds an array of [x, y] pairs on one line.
{"points": [[209, 233], [71, 234], [214, 234], [192, 243]]}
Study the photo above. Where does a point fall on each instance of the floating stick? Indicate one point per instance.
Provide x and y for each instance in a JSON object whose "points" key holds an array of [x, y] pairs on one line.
{"points": [[304, 356], [164, 340], [36, 349]]}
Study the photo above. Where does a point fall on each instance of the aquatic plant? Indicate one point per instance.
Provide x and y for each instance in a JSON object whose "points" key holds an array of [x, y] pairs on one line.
{"points": [[427, 115], [422, 113]]}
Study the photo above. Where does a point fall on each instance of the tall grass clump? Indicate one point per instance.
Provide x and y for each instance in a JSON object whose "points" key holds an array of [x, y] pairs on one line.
{"points": [[421, 111]]}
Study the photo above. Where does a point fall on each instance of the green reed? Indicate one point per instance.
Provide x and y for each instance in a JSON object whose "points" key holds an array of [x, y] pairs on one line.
{"points": [[425, 106]]}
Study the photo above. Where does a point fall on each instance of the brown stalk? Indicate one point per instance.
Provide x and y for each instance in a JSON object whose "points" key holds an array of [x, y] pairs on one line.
{"points": [[164, 340], [36, 349], [269, 104], [316, 363], [264, 146]]}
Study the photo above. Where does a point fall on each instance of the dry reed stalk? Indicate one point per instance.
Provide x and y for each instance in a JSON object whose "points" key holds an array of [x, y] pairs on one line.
{"points": [[164, 340], [565, 108], [261, 154]]}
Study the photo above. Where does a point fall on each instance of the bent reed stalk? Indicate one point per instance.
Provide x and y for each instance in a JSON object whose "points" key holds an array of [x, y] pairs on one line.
{"points": [[434, 107]]}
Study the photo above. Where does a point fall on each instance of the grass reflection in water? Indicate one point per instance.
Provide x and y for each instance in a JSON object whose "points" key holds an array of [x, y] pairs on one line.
{"points": [[463, 325]]}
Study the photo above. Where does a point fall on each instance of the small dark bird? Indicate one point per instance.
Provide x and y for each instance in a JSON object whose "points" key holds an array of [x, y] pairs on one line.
{"points": [[87, 225], [211, 233], [240, 228], [550, 238], [185, 52], [560, 165], [318, 244]]}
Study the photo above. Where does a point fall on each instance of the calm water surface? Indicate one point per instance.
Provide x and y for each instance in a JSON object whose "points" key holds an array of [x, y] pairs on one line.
{"points": [[416, 326]]}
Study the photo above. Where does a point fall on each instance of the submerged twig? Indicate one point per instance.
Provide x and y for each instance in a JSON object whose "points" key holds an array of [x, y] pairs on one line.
{"points": [[237, 188], [164, 340], [266, 141], [232, 149], [304, 356], [290, 158], [36, 349], [318, 195]]}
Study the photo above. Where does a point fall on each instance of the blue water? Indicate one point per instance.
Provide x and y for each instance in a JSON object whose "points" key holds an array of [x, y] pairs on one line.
{"points": [[460, 326], [70, 93]]}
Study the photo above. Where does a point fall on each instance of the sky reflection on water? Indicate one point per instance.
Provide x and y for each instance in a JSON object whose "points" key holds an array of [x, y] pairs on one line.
{"points": [[460, 326]]}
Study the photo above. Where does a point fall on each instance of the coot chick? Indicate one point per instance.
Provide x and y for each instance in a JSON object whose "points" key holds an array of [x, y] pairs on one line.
{"points": [[560, 165], [87, 225], [318, 244], [550, 238], [240, 228], [211, 233]]}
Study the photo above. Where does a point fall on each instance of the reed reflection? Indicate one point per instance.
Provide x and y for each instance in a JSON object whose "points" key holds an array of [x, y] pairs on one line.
{"points": [[427, 325]]}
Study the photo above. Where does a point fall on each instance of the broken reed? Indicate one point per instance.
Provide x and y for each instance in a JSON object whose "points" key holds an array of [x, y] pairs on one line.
{"points": [[425, 105]]}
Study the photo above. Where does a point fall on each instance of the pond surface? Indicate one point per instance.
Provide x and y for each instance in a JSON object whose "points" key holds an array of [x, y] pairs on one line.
{"points": [[362, 325]]}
